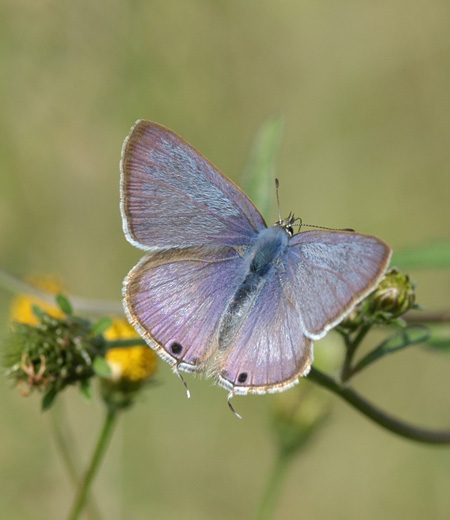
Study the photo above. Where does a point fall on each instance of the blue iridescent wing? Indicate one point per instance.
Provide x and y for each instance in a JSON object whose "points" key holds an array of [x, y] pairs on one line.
{"points": [[172, 196], [329, 272]]}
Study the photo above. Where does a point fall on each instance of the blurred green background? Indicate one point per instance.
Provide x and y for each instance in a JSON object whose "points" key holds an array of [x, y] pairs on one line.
{"points": [[364, 90]]}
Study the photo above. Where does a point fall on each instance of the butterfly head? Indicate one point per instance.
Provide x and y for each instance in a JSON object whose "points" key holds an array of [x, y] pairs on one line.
{"points": [[288, 223]]}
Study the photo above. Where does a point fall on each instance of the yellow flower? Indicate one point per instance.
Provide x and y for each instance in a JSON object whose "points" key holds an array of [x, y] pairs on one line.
{"points": [[131, 367], [120, 329], [22, 304], [133, 364]]}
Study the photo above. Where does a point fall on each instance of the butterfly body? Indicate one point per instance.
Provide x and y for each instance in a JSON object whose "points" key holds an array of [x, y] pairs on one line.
{"points": [[258, 264], [218, 291]]}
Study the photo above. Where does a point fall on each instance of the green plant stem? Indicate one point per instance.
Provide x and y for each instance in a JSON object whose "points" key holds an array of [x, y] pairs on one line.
{"points": [[16, 286], [58, 425], [378, 416], [85, 484], [427, 317], [125, 342], [64, 446], [351, 347], [273, 487]]}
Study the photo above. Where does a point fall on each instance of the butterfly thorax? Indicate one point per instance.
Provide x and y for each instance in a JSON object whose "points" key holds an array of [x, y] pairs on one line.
{"points": [[260, 259]]}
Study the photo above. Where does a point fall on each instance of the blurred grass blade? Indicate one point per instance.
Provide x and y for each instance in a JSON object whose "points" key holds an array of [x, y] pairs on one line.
{"points": [[426, 256], [259, 173], [401, 339]]}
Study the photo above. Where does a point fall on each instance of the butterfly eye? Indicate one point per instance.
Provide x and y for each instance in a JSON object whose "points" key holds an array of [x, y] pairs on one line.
{"points": [[242, 377], [176, 348]]}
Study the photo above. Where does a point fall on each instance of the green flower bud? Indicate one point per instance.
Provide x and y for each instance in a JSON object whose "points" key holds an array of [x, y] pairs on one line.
{"points": [[393, 296], [52, 354], [351, 322]]}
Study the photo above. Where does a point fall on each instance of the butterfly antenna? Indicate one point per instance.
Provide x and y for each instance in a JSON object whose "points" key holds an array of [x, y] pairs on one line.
{"points": [[230, 396], [350, 230], [298, 222], [277, 185], [177, 372]]}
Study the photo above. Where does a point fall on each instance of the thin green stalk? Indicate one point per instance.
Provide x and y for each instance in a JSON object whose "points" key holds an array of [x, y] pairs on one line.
{"points": [[379, 416], [125, 342], [274, 484], [64, 446], [16, 285], [59, 429], [85, 484], [351, 347]]}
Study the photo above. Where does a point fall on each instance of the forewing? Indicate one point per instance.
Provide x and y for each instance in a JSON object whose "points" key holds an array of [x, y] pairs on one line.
{"points": [[172, 196], [176, 299], [269, 352], [329, 272]]}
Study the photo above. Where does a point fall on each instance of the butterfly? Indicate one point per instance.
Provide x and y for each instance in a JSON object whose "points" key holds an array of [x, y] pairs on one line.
{"points": [[219, 292]]}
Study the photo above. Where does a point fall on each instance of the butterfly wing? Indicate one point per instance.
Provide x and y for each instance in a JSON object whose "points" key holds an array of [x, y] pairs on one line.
{"points": [[175, 300], [270, 351], [198, 225], [172, 196], [319, 279], [329, 272]]}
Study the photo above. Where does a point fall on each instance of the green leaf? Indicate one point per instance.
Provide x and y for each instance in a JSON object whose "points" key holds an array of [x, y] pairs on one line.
{"points": [[49, 399], [101, 367], [64, 304], [401, 339], [38, 312], [440, 345], [102, 325], [440, 338], [426, 256], [86, 389], [259, 173]]}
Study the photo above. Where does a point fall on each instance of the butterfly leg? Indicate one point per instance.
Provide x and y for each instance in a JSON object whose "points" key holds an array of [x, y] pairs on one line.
{"points": [[230, 396], [178, 373]]}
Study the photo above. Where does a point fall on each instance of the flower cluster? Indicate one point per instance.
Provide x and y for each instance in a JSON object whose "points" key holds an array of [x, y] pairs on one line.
{"points": [[50, 348]]}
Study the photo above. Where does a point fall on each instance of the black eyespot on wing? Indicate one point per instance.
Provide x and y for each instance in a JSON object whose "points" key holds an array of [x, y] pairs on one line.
{"points": [[176, 348], [242, 377]]}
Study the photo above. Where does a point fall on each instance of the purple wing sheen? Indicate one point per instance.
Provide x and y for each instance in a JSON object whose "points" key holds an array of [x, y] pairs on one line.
{"points": [[172, 196], [176, 299], [269, 352], [329, 272]]}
